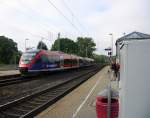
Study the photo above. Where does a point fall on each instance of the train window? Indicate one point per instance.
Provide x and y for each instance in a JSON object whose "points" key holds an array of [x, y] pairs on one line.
{"points": [[27, 57], [70, 61], [44, 58], [67, 61], [54, 59], [57, 59], [80, 61], [39, 60], [74, 61]]}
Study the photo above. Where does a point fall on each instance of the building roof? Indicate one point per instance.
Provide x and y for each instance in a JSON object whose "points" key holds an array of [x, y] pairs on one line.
{"points": [[134, 36]]}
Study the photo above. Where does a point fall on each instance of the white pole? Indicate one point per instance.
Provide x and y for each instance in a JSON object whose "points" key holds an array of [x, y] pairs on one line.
{"points": [[59, 40], [111, 43], [41, 43], [25, 44]]}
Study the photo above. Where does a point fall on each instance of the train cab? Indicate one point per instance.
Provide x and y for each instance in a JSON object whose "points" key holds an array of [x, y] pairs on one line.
{"points": [[34, 61], [26, 60]]}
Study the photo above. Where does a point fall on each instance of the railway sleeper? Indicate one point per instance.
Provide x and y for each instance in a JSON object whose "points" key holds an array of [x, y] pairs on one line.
{"points": [[52, 93], [43, 98], [40, 100], [56, 92], [28, 105], [23, 107], [37, 102], [14, 111], [34, 103], [61, 88], [48, 96], [10, 114], [2, 115]]}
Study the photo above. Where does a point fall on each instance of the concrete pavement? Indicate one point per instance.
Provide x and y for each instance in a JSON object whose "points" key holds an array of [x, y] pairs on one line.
{"points": [[80, 103]]}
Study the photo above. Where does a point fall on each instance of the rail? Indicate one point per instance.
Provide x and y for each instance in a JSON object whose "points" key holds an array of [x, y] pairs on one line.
{"points": [[33, 104]]}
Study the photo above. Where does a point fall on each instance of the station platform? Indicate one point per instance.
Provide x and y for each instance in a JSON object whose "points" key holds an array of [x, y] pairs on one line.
{"points": [[9, 72], [80, 103]]}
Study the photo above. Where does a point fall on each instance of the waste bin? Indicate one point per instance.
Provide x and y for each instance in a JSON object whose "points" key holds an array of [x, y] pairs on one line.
{"points": [[102, 103]]}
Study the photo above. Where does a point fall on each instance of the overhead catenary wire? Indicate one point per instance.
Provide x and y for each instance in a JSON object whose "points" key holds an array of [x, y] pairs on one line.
{"points": [[65, 17], [73, 15], [28, 15], [37, 12]]}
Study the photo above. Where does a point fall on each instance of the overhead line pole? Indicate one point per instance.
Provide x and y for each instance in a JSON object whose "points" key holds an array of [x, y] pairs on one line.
{"points": [[111, 43], [58, 38]]}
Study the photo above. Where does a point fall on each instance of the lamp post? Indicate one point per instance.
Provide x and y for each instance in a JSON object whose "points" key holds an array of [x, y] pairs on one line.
{"points": [[41, 46], [111, 43], [25, 44], [59, 41]]}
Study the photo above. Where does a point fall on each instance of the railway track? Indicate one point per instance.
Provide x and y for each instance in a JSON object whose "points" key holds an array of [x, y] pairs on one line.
{"points": [[5, 82], [31, 105], [9, 76], [13, 79]]}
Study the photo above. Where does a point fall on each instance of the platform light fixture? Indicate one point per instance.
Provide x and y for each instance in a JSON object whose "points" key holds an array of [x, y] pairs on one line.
{"points": [[111, 43]]}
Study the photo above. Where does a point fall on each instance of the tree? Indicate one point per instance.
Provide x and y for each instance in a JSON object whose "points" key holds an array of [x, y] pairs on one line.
{"points": [[103, 59], [42, 45], [86, 46], [8, 49], [65, 45]]}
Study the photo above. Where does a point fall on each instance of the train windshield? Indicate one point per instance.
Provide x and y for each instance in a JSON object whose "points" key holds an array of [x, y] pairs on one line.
{"points": [[27, 57]]}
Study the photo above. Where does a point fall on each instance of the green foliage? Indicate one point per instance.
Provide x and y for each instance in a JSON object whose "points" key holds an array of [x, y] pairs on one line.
{"points": [[42, 45], [8, 50], [65, 45], [103, 59], [86, 46], [83, 46]]}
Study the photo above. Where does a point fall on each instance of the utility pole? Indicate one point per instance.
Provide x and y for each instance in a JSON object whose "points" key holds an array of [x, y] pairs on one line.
{"points": [[58, 38], [25, 44], [41, 43], [111, 43], [86, 51]]}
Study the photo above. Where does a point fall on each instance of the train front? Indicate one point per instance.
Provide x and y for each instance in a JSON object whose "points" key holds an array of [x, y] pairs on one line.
{"points": [[26, 61]]}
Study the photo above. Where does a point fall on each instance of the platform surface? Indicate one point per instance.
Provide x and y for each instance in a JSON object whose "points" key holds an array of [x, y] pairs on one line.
{"points": [[9, 72], [80, 103]]}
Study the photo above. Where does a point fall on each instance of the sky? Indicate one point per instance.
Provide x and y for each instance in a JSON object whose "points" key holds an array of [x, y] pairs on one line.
{"points": [[39, 20]]}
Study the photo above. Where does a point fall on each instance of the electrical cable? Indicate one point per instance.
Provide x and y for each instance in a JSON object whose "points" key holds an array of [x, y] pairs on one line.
{"points": [[73, 15], [65, 17]]}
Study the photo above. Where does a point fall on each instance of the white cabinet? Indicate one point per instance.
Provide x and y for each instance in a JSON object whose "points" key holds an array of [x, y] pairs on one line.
{"points": [[135, 79]]}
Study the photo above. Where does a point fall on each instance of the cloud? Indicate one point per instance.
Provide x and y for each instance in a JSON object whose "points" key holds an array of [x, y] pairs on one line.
{"points": [[123, 16], [22, 19]]}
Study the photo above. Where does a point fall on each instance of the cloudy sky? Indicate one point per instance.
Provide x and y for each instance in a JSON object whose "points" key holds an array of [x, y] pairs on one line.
{"points": [[34, 19]]}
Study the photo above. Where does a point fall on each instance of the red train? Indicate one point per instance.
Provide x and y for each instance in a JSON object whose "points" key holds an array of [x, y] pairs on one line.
{"points": [[33, 61]]}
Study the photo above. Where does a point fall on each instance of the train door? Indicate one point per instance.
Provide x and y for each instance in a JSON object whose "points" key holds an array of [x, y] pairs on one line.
{"points": [[67, 63], [74, 62], [57, 61], [45, 61], [38, 64], [81, 63], [61, 61]]}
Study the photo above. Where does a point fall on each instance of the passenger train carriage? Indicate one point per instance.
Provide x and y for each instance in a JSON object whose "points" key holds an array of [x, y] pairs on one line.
{"points": [[42, 60]]}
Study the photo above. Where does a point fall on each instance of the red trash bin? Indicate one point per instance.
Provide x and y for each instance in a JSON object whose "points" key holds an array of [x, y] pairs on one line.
{"points": [[101, 105]]}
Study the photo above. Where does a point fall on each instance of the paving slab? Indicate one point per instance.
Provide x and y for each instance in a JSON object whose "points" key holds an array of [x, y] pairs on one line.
{"points": [[80, 103]]}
